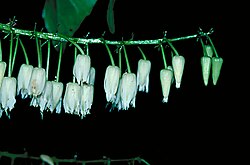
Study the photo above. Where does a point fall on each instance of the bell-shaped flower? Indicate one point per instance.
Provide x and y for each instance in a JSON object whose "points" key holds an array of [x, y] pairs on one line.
{"points": [[46, 98], [128, 90], [36, 85], [81, 68], [72, 98], [178, 63], [23, 79], [209, 50], [87, 96], [8, 93], [206, 63], [143, 70], [111, 82], [57, 96], [91, 76], [2, 70], [216, 68], [166, 78]]}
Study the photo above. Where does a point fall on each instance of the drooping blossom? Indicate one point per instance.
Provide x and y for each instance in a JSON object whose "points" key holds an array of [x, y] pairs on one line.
{"points": [[8, 94], [178, 63], [81, 68], [111, 81], [57, 96], [91, 79], [143, 71], [23, 79], [87, 96], [166, 78], [216, 68], [206, 63], [128, 90], [2, 70], [72, 98], [46, 98]]}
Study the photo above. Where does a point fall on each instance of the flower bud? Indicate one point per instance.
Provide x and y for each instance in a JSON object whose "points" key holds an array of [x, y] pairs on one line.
{"points": [[216, 68], [206, 66], [178, 63], [166, 78], [81, 68]]}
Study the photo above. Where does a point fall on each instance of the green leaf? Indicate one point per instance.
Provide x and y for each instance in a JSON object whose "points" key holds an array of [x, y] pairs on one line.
{"points": [[110, 16], [65, 16]]}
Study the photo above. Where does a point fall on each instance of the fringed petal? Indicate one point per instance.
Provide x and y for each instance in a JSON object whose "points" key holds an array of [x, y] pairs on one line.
{"points": [[87, 95], [57, 96], [23, 79], [81, 68]]}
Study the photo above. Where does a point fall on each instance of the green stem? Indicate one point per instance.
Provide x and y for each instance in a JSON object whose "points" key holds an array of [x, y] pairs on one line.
{"points": [[120, 58], [59, 62], [75, 55], [163, 57], [1, 55], [126, 57], [38, 53], [71, 41], [142, 53], [24, 52], [172, 46], [10, 56], [14, 55], [215, 52], [203, 48], [110, 54], [48, 58]]}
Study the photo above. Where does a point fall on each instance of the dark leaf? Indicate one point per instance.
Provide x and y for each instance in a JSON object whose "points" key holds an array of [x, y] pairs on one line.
{"points": [[65, 16], [110, 16]]}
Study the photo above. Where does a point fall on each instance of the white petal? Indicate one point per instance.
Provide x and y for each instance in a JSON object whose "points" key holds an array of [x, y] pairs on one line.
{"points": [[8, 93], [128, 90], [166, 76], [111, 82], [46, 98], [178, 63], [71, 100], [57, 96], [87, 95], [81, 68], [2, 70], [23, 80], [37, 81], [92, 76], [143, 70], [206, 63]]}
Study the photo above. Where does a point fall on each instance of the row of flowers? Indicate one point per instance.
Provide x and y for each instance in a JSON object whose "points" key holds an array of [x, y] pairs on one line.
{"points": [[120, 87]]}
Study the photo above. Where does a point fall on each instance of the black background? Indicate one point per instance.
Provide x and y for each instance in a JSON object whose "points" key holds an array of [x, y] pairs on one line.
{"points": [[193, 127]]}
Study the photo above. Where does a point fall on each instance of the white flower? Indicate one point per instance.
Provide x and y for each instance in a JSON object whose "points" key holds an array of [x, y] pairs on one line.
{"points": [[216, 68], [206, 63], [81, 68], [57, 96], [143, 70], [46, 98], [23, 79], [87, 96], [72, 97], [8, 93], [111, 82], [178, 63], [128, 90], [166, 77], [2, 70], [36, 85], [91, 76]]}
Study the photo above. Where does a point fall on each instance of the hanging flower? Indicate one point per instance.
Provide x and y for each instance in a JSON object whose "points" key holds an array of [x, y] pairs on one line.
{"points": [[178, 63], [166, 77], [81, 68], [209, 50], [111, 82], [91, 76], [57, 88], [2, 70], [128, 90], [71, 100], [8, 93], [23, 80], [216, 68], [46, 99], [143, 70], [36, 85], [87, 95], [206, 66]]}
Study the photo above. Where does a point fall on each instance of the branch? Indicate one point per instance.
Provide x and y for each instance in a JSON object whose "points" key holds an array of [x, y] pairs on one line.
{"points": [[13, 156], [7, 28]]}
